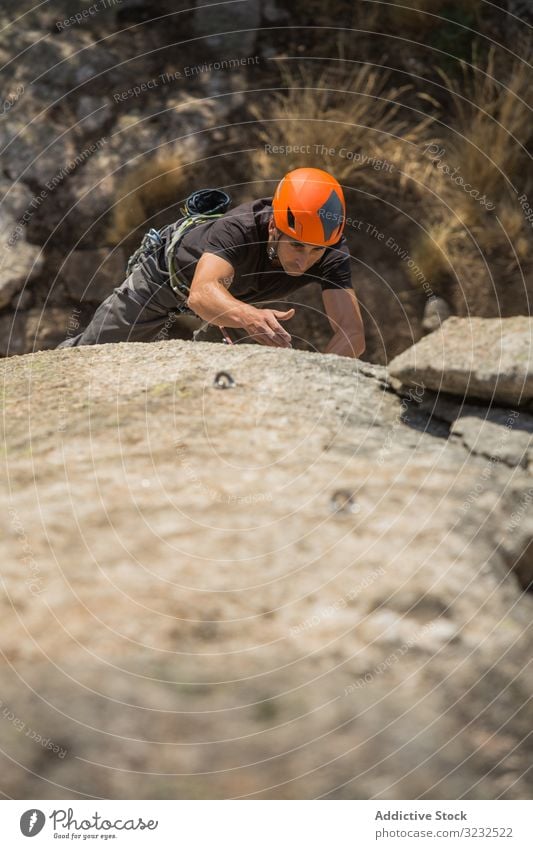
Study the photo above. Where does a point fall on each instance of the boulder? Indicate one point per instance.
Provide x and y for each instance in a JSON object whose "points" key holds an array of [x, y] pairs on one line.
{"points": [[20, 262], [436, 311], [36, 329], [94, 114], [295, 587], [499, 436], [477, 358], [92, 275], [230, 31]]}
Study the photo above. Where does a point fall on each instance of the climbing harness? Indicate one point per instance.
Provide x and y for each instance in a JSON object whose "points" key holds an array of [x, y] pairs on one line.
{"points": [[204, 205], [150, 244], [201, 206]]}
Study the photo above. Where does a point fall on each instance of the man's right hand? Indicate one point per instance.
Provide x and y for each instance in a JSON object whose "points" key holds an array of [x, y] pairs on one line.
{"points": [[264, 326], [210, 299]]}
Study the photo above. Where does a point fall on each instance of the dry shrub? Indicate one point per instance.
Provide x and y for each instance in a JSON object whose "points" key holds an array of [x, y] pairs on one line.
{"points": [[433, 255], [492, 123], [355, 127], [151, 194]]}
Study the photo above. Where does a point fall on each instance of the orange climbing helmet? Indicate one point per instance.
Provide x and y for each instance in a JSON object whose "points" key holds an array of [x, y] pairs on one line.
{"points": [[309, 206]]}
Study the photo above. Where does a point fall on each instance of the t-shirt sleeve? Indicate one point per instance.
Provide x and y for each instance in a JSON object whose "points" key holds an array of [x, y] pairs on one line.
{"points": [[228, 238], [334, 271]]}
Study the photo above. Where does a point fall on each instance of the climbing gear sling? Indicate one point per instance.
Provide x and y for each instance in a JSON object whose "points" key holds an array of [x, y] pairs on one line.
{"points": [[200, 206]]}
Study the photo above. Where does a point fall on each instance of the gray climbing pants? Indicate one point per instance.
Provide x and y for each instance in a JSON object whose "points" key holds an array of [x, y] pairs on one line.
{"points": [[140, 310]]}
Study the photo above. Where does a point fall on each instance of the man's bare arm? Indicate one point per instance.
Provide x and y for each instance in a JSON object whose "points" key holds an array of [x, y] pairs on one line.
{"points": [[344, 314], [209, 298]]}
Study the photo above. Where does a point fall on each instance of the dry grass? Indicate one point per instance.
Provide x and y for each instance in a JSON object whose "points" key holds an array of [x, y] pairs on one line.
{"points": [[355, 127], [151, 194], [432, 253], [490, 129], [492, 123]]}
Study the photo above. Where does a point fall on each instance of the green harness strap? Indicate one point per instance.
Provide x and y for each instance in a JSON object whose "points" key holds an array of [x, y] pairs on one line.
{"points": [[178, 285]]}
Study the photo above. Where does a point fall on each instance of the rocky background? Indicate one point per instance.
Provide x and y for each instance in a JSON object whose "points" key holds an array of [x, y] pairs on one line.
{"points": [[316, 582], [113, 112]]}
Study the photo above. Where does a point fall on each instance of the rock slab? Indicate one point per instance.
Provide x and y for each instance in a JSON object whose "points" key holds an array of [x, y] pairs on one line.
{"points": [[477, 358], [295, 587]]}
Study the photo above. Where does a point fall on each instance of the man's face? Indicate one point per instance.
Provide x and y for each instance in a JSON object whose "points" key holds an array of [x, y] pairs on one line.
{"points": [[297, 257]]}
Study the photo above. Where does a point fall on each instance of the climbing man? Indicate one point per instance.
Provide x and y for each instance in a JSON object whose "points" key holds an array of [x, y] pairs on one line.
{"points": [[222, 268]]}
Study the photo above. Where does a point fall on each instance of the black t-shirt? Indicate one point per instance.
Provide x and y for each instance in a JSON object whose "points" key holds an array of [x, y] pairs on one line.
{"points": [[240, 236]]}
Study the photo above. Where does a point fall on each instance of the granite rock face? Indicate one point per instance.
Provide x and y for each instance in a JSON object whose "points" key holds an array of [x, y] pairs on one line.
{"points": [[304, 585], [86, 98], [488, 358], [92, 275], [35, 329], [20, 261]]}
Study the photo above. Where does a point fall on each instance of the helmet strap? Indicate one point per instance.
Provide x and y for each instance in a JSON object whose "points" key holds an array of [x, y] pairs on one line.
{"points": [[272, 249]]}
